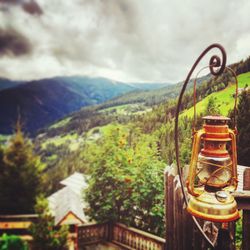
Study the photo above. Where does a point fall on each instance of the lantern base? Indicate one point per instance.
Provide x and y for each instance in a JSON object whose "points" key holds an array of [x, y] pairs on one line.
{"points": [[208, 207]]}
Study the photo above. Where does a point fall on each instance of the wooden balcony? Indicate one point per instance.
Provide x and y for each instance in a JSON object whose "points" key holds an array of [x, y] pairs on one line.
{"points": [[118, 234], [90, 234]]}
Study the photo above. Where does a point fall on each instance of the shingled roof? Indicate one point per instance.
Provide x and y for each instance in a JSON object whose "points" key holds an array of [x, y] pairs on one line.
{"points": [[240, 171], [77, 182], [68, 200]]}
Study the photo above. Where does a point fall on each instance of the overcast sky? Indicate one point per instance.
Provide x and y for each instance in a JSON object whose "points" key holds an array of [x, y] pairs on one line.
{"points": [[125, 40]]}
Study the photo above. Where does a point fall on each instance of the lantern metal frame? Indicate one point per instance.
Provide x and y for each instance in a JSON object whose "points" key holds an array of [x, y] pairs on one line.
{"points": [[216, 65]]}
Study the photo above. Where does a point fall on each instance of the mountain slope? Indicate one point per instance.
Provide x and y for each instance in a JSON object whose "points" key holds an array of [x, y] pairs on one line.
{"points": [[93, 90], [150, 97], [37, 106], [84, 127], [44, 101], [224, 98], [119, 109], [6, 83]]}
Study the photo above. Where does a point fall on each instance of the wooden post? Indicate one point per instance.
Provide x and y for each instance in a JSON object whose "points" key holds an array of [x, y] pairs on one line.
{"points": [[110, 231], [169, 211], [224, 241], [246, 214], [181, 233], [76, 239]]}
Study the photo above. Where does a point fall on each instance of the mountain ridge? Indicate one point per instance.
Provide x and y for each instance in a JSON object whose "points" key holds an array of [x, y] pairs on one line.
{"points": [[41, 102]]}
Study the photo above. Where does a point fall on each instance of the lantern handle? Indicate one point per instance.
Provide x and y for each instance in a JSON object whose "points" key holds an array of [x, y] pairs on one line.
{"points": [[194, 159], [216, 66], [236, 97], [234, 159], [235, 101]]}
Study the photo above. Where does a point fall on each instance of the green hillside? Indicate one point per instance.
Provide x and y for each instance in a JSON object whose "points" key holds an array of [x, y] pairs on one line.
{"points": [[224, 98], [72, 132], [151, 97], [71, 135]]}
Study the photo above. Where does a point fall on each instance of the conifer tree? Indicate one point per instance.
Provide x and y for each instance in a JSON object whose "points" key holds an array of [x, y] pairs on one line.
{"points": [[45, 235], [243, 125], [19, 176], [212, 108]]}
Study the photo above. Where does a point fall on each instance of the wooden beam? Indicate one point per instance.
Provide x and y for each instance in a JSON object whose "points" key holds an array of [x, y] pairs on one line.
{"points": [[243, 199], [246, 213], [224, 241]]}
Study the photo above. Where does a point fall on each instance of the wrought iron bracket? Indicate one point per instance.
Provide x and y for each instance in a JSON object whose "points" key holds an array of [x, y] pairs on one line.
{"points": [[216, 66]]}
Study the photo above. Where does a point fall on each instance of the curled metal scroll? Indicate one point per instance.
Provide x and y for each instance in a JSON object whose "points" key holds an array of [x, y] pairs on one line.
{"points": [[216, 65]]}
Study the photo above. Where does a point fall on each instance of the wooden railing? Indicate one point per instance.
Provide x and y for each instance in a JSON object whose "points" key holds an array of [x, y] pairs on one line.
{"points": [[243, 200], [131, 238], [16, 224], [119, 234], [89, 234], [92, 234]]}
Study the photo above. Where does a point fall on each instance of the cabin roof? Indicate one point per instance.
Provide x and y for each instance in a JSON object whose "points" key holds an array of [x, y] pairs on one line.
{"points": [[69, 198], [64, 201], [240, 171], [77, 182]]}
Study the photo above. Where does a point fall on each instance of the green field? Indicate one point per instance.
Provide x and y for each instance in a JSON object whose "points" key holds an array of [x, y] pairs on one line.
{"points": [[96, 132], [224, 98], [61, 123], [70, 139], [127, 109], [4, 138]]}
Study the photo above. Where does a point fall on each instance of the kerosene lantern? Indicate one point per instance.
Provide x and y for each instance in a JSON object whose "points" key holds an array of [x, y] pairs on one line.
{"points": [[213, 172], [213, 169]]}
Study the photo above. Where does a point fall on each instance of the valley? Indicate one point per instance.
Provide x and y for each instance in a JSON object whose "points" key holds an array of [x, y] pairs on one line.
{"points": [[40, 103], [73, 134], [124, 143]]}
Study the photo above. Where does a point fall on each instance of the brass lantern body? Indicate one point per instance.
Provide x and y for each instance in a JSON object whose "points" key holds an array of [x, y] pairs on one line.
{"points": [[213, 172]]}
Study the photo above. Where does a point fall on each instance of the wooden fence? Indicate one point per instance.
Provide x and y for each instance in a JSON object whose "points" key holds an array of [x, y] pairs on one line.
{"points": [[180, 227], [243, 200], [90, 234], [132, 238], [119, 234], [17, 224]]}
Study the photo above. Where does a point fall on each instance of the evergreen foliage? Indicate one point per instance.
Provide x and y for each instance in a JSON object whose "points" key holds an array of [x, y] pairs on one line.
{"points": [[19, 175], [12, 242], [212, 108], [45, 236], [243, 125]]}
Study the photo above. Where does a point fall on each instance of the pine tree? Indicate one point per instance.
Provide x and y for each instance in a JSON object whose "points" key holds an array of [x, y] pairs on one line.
{"points": [[243, 124], [45, 236], [212, 108], [12, 242], [19, 176]]}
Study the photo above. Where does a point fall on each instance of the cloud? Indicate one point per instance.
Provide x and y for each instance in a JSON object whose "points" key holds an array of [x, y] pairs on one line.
{"points": [[153, 40], [12, 43], [29, 6], [32, 8]]}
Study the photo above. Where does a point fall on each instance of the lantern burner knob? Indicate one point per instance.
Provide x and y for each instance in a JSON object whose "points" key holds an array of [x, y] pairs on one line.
{"points": [[221, 196]]}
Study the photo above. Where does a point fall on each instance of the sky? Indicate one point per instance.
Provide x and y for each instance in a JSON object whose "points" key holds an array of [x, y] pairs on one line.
{"points": [[124, 40]]}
